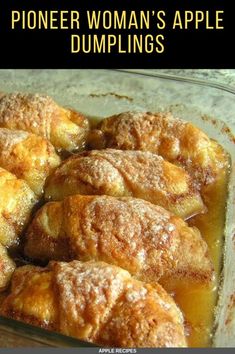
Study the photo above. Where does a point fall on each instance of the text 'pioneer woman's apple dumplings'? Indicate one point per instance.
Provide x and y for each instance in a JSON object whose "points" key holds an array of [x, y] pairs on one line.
{"points": [[7, 267], [16, 203], [127, 173], [134, 234], [28, 156], [178, 141], [96, 302], [40, 114]]}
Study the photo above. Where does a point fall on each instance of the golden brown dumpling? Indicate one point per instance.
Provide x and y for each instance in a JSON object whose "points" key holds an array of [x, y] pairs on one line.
{"points": [[7, 267], [39, 114], [28, 156], [96, 302], [127, 173], [131, 233], [16, 203], [178, 141]]}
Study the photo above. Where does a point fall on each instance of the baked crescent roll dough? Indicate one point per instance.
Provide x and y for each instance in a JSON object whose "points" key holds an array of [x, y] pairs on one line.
{"points": [[178, 141], [16, 203], [39, 114], [7, 267], [96, 302], [28, 156], [131, 233], [127, 173]]}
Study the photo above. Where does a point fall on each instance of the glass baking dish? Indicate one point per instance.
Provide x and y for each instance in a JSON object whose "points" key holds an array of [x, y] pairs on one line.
{"points": [[100, 93]]}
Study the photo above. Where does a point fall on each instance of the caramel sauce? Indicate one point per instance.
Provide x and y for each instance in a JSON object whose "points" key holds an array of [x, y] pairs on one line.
{"points": [[198, 301]]}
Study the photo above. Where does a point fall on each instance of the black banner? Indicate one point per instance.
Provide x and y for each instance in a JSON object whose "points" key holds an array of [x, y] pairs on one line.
{"points": [[121, 34]]}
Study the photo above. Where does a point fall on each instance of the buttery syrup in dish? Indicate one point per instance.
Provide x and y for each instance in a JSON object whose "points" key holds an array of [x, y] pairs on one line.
{"points": [[198, 301]]}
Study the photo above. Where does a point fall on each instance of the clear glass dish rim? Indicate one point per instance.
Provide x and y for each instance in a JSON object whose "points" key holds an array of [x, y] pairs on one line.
{"points": [[179, 78]]}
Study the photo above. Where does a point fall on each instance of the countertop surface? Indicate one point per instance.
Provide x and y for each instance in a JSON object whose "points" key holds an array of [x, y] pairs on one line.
{"points": [[220, 76]]}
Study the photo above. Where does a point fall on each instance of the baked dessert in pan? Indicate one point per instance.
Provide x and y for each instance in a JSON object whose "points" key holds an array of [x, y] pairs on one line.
{"points": [[178, 141], [143, 238], [96, 302], [28, 156], [16, 203], [119, 207], [127, 173], [41, 115], [7, 267]]}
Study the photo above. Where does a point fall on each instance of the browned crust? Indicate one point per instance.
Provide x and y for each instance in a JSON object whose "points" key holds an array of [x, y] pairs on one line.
{"points": [[16, 203], [124, 173], [178, 141], [7, 267], [41, 115], [93, 300], [134, 234], [28, 156]]}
